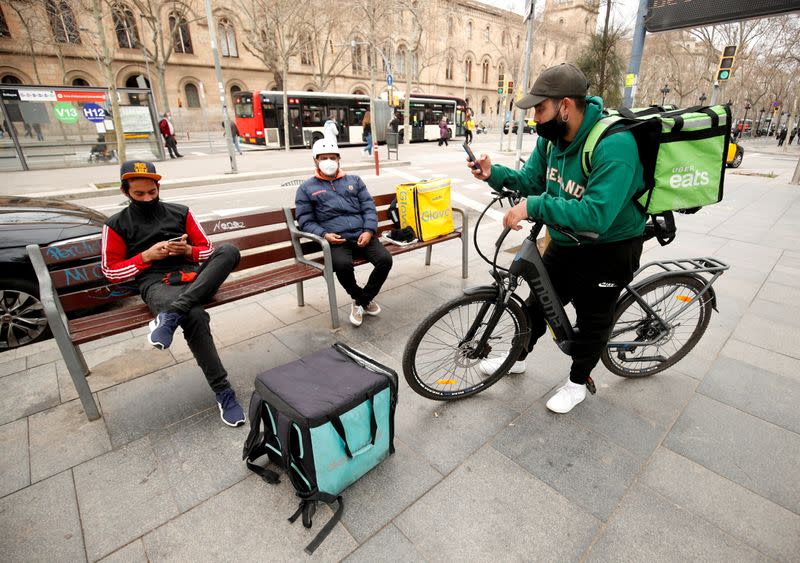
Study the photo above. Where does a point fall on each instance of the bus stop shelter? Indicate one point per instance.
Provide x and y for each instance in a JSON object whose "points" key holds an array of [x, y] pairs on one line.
{"points": [[64, 126]]}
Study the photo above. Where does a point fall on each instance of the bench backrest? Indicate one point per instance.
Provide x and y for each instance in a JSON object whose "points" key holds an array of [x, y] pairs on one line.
{"points": [[75, 269]]}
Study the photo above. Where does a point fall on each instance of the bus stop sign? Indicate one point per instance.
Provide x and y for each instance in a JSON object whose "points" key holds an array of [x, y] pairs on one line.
{"points": [[389, 80]]}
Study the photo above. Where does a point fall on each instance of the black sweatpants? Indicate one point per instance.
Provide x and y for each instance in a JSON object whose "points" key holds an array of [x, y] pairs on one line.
{"points": [[591, 277], [342, 256], [188, 300]]}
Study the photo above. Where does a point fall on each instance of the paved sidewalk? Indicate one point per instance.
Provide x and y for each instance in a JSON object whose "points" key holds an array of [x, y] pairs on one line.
{"points": [[697, 463]]}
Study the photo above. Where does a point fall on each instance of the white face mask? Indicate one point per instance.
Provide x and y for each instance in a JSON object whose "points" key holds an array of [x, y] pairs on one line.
{"points": [[328, 167]]}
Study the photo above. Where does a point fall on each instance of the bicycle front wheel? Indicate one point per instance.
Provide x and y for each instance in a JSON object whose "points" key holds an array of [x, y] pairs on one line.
{"points": [[442, 358], [685, 313]]}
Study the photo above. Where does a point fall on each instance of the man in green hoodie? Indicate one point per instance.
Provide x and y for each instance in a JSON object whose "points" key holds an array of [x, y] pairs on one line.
{"points": [[590, 275]]}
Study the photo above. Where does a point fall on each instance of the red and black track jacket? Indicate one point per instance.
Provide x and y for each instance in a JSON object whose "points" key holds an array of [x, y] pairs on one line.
{"points": [[132, 231]]}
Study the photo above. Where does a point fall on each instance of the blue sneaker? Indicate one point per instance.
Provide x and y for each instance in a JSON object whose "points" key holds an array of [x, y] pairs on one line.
{"points": [[229, 410], [163, 328]]}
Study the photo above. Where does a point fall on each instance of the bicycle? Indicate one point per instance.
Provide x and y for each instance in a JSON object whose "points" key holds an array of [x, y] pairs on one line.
{"points": [[657, 320]]}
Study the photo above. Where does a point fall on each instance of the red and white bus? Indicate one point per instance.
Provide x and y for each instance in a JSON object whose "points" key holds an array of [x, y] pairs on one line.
{"points": [[259, 117]]}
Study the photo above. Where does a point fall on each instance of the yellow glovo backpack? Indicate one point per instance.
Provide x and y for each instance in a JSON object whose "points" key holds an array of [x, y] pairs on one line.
{"points": [[425, 207]]}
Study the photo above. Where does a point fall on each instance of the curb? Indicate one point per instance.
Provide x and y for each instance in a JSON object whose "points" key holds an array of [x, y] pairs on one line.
{"points": [[212, 180]]}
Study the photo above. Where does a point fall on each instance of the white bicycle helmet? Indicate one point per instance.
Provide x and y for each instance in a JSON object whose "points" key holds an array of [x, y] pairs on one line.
{"points": [[324, 146]]}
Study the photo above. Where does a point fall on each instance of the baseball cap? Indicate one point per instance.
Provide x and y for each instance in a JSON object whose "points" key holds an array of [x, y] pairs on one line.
{"points": [[561, 81], [138, 169]]}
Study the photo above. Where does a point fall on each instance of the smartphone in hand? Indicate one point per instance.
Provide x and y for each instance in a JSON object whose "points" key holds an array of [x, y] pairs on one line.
{"points": [[176, 239], [471, 157]]}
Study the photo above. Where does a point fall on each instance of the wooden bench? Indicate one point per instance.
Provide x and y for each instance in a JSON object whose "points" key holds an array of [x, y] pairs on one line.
{"points": [[274, 254], [71, 280], [382, 202]]}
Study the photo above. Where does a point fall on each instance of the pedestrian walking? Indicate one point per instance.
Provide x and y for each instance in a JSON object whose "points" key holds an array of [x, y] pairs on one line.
{"points": [[234, 135], [781, 136], [168, 132], [330, 130], [444, 131], [792, 135], [366, 135], [469, 127]]}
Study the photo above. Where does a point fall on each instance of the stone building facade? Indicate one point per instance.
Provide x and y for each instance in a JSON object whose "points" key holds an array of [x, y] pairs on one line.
{"points": [[470, 44]]}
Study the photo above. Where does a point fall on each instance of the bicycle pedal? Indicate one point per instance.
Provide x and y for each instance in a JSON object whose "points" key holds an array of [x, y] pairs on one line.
{"points": [[590, 386]]}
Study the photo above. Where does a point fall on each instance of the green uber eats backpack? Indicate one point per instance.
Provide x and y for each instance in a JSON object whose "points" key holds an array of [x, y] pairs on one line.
{"points": [[683, 155]]}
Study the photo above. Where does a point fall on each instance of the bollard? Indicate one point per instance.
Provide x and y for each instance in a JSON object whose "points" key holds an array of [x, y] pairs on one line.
{"points": [[377, 166]]}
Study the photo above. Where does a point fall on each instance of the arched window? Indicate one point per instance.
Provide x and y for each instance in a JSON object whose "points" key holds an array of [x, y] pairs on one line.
{"points": [[125, 28], [79, 82], [180, 34], [357, 56], [448, 68], [469, 30], [504, 38], [501, 71], [227, 38], [192, 96], [414, 70], [3, 25], [483, 106], [136, 81], [62, 22], [234, 90], [10, 79], [450, 26], [401, 61], [306, 49], [468, 70], [485, 72]]}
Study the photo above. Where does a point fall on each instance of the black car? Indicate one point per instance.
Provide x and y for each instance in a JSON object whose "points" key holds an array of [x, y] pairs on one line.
{"points": [[24, 221], [527, 128]]}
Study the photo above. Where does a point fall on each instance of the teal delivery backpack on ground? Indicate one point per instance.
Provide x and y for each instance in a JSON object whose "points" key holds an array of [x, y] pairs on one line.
{"points": [[326, 419]]}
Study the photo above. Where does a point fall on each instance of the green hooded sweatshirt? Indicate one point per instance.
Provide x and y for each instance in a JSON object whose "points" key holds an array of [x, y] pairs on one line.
{"points": [[559, 193]]}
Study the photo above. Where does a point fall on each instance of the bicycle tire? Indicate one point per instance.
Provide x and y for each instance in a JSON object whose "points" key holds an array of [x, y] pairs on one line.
{"points": [[439, 384], [704, 308]]}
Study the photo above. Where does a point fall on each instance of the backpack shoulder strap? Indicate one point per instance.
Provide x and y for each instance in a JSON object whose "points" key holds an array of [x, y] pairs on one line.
{"points": [[599, 130]]}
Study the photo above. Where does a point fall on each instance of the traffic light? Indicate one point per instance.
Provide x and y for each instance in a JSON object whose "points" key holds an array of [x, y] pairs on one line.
{"points": [[510, 89], [726, 62], [500, 84]]}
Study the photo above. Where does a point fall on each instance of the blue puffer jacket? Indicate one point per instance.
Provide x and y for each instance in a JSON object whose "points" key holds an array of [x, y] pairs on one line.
{"points": [[342, 206]]}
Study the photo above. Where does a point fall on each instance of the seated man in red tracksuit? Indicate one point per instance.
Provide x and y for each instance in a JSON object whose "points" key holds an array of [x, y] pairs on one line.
{"points": [[164, 249]]}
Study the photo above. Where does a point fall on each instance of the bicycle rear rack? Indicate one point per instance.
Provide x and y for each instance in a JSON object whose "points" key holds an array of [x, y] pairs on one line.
{"points": [[704, 264]]}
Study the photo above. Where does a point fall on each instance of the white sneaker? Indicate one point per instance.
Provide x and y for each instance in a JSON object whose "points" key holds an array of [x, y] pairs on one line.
{"points": [[491, 365], [567, 396], [356, 314], [373, 309]]}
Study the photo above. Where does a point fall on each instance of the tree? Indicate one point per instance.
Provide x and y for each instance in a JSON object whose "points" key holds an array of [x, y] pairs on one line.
{"points": [[105, 54], [602, 64], [328, 60], [163, 45], [275, 34]]}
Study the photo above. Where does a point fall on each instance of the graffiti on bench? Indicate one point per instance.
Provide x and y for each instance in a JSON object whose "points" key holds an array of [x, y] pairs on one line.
{"points": [[83, 274], [76, 250], [228, 226]]}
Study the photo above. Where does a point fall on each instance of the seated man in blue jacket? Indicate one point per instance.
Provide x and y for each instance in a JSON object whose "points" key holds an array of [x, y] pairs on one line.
{"points": [[338, 206]]}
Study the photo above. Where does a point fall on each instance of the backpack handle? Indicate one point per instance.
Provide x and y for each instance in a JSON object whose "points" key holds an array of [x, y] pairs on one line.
{"points": [[336, 422]]}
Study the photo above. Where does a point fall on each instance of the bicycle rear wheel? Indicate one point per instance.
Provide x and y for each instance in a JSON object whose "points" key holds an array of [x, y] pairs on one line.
{"points": [[633, 323], [440, 363]]}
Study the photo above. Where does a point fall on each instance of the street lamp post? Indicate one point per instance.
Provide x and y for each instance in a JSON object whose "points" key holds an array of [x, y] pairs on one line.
{"points": [[703, 99], [664, 91], [747, 107]]}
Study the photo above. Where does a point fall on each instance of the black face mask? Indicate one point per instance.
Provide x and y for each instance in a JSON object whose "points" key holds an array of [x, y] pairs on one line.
{"points": [[552, 130], [145, 207]]}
